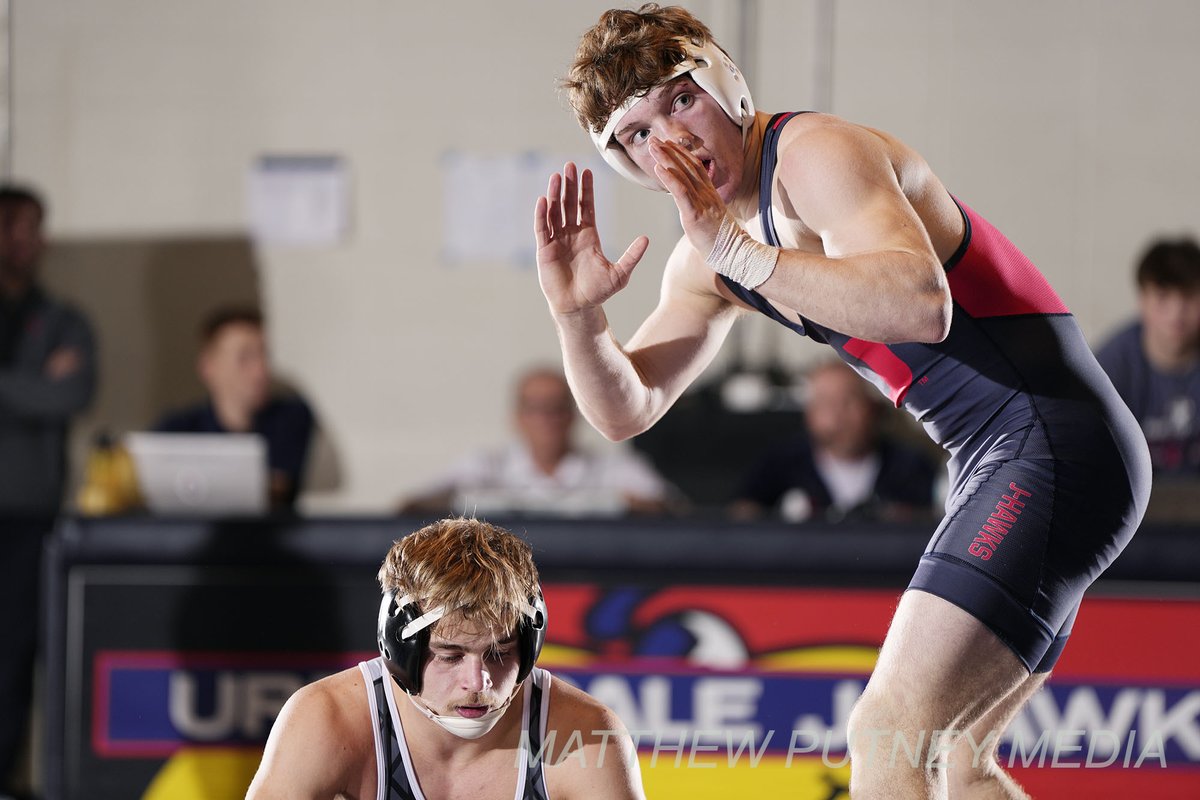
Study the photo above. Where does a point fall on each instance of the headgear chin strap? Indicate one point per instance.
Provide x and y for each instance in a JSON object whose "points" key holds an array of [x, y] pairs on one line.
{"points": [[715, 73], [403, 633]]}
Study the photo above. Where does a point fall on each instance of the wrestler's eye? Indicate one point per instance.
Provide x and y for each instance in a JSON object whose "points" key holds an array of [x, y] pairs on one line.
{"points": [[639, 136], [449, 658], [684, 100], [499, 655]]}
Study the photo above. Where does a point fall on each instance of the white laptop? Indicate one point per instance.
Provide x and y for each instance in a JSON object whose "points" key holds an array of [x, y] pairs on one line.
{"points": [[201, 473]]}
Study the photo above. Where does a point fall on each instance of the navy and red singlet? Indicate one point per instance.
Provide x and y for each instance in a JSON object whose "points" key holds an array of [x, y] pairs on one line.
{"points": [[1049, 471]]}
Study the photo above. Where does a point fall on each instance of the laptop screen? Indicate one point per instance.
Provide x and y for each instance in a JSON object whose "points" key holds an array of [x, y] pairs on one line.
{"points": [[201, 473]]}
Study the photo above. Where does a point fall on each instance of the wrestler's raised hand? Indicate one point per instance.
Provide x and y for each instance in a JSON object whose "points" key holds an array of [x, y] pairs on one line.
{"points": [[572, 269]]}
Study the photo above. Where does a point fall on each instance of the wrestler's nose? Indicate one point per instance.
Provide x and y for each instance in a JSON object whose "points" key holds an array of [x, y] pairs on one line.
{"points": [[476, 677], [681, 136]]}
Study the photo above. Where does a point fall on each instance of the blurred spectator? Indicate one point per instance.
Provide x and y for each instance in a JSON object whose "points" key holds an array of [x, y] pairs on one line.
{"points": [[542, 471], [47, 364], [236, 371], [841, 467], [47, 375], [1155, 361]]}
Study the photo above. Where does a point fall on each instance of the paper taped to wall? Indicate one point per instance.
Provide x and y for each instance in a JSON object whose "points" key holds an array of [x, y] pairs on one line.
{"points": [[299, 200], [487, 205]]}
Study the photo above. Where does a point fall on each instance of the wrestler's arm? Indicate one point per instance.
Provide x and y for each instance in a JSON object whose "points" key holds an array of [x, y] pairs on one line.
{"points": [[879, 277], [601, 762], [306, 754], [622, 390]]}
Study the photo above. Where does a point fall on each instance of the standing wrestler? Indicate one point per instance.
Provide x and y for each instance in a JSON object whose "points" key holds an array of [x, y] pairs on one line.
{"points": [[454, 706], [844, 234]]}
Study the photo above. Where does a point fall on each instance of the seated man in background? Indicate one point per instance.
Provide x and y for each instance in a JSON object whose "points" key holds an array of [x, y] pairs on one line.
{"points": [[842, 467], [542, 471], [1155, 361], [235, 369]]}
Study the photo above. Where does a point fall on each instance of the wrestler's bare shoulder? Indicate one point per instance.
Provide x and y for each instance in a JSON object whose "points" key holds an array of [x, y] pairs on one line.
{"points": [[816, 154], [322, 741], [817, 130], [337, 707]]}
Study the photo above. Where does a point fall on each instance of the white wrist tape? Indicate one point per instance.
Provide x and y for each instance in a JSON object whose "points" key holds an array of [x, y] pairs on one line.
{"points": [[738, 257]]}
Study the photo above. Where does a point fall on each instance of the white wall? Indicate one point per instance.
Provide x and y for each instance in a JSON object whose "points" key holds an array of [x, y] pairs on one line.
{"points": [[1070, 124]]}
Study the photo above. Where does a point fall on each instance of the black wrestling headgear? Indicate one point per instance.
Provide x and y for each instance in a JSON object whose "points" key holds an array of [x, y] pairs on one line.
{"points": [[403, 633]]}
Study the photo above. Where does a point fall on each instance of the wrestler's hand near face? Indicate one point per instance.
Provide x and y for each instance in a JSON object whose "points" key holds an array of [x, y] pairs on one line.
{"points": [[701, 209], [572, 269]]}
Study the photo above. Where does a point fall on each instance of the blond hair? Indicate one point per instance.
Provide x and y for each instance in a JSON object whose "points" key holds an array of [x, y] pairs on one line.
{"points": [[480, 573], [627, 53]]}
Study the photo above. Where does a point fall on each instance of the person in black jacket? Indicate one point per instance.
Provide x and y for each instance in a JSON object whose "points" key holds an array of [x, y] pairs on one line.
{"points": [[47, 376], [47, 364]]}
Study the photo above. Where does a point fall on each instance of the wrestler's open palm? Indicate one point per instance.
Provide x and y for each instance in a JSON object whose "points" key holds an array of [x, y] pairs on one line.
{"points": [[572, 269]]}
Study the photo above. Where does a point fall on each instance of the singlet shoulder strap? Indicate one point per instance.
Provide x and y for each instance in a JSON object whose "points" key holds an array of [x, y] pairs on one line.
{"points": [[766, 173], [395, 779], [537, 711], [377, 702]]}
